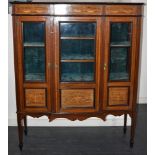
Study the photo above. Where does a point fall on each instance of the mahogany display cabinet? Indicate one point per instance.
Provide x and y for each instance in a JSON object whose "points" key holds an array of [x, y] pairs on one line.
{"points": [[76, 60]]}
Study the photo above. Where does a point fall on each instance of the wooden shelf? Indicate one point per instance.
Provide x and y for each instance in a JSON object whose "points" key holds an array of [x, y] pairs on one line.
{"points": [[35, 77], [79, 60], [121, 44], [78, 38], [77, 57], [77, 77], [34, 44], [119, 76]]}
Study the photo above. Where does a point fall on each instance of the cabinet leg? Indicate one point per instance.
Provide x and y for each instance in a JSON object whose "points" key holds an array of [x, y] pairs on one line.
{"points": [[133, 126], [20, 131], [125, 122], [25, 125]]}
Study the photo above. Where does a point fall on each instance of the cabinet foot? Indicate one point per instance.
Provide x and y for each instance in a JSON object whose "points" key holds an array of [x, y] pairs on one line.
{"points": [[131, 144], [21, 146]]}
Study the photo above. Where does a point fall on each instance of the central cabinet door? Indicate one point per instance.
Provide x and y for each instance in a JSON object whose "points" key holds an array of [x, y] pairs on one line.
{"points": [[77, 64]]}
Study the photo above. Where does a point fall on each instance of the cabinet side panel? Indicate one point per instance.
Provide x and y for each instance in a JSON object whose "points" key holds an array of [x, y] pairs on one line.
{"points": [[15, 40], [137, 61]]}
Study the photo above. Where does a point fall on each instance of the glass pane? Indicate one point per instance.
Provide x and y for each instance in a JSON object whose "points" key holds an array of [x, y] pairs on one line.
{"points": [[75, 71], [77, 29], [77, 49], [119, 65], [120, 33], [34, 63], [33, 32]]}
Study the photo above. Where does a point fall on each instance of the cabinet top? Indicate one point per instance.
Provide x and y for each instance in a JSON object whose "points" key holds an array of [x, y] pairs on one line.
{"points": [[129, 2]]}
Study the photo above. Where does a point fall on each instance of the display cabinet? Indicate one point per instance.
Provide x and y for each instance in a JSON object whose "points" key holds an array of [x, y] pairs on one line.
{"points": [[76, 60]]}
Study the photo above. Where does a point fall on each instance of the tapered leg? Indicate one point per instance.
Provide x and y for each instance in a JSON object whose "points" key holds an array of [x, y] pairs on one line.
{"points": [[25, 125], [133, 126], [20, 131], [125, 122]]}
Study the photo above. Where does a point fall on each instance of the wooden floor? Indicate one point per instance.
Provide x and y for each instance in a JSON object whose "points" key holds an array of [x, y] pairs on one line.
{"points": [[81, 140]]}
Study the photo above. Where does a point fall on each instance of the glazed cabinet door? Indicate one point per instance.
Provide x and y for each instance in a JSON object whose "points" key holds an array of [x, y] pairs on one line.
{"points": [[77, 63], [33, 61], [118, 67]]}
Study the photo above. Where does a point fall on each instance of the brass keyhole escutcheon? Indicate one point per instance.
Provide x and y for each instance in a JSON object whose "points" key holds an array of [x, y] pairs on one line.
{"points": [[105, 66]]}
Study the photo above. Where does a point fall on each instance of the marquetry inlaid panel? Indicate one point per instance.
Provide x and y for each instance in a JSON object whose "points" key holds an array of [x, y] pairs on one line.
{"points": [[75, 9], [32, 9], [35, 97], [122, 10], [76, 98], [118, 96]]}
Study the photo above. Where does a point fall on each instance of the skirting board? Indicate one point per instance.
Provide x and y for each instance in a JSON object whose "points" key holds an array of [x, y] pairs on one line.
{"points": [[93, 121], [142, 100]]}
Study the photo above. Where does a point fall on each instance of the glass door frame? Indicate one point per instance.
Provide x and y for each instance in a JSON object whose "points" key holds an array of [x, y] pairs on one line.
{"points": [[67, 85], [106, 65], [48, 59]]}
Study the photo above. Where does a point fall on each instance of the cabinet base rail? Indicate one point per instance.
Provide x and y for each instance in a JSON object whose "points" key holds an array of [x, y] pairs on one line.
{"points": [[23, 129]]}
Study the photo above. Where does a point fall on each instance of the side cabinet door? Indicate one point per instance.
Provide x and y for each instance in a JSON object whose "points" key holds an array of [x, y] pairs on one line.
{"points": [[119, 63], [77, 64], [33, 61]]}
